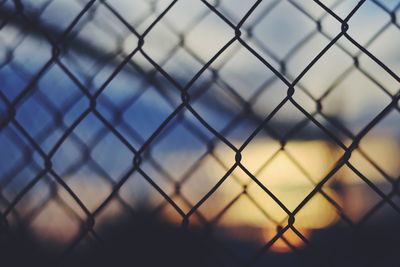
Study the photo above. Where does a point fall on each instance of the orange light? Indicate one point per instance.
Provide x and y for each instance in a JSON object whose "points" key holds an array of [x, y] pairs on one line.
{"points": [[287, 242]]}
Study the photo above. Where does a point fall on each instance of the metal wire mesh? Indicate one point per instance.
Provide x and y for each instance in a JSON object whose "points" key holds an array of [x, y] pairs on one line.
{"points": [[115, 92]]}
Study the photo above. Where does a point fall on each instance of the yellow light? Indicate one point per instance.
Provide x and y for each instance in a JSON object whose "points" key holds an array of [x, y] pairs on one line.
{"points": [[287, 242]]}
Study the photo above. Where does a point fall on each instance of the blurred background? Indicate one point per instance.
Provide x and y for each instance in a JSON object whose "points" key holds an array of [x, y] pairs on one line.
{"points": [[111, 109]]}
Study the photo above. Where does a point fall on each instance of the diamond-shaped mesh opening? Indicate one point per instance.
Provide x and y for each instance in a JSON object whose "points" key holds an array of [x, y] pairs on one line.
{"points": [[103, 25], [225, 194], [363, 198], [320, 212], [291, 186], [229, 110], [282, 24], [61, 13], [229, 226], [371, 146], [323, 75], [160, 33], [108, 155], [35, 198], [350, 88], [21, 67], [218, 35], [139, 193], [15, 147], [61, 219], [146, 102], [178, 138], [90, 196], [21, 164], [392, 40], [244, 73], [374, 24], [17, 179]]}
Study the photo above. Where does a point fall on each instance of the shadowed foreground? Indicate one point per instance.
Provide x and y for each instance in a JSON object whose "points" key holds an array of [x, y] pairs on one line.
{"points": [[143, 241]]}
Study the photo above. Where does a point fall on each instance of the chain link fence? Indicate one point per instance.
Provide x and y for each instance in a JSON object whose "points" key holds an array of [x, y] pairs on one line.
{"points": [[270, 127]]}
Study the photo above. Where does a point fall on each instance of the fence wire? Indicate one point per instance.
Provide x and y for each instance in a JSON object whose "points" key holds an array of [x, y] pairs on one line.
{"points": [[89, 45]]}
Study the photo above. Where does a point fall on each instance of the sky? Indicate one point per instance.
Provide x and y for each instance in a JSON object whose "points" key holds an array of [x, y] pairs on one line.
{"points": [[356, 99]]}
